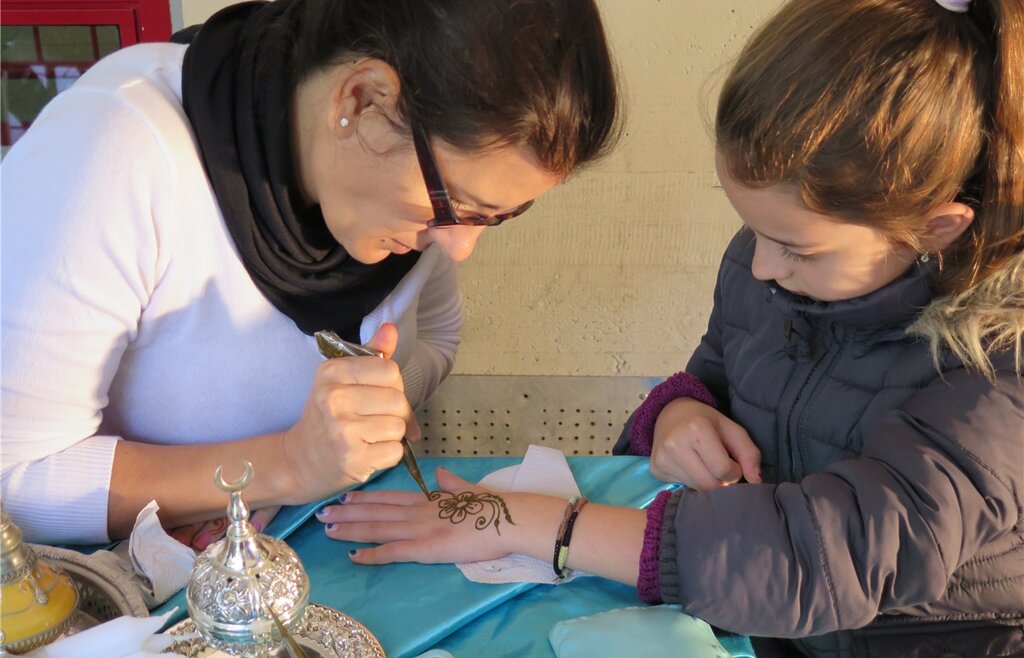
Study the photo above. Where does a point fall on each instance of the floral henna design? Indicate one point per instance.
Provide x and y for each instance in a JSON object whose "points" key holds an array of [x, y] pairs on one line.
{"points": [[457, 506]]}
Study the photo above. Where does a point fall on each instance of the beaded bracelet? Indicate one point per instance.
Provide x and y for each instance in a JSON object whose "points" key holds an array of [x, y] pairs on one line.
{"points": [[561, 556]]}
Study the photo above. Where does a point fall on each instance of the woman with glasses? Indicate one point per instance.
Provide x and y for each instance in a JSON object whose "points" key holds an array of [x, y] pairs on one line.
{"points": [[180, 222]]}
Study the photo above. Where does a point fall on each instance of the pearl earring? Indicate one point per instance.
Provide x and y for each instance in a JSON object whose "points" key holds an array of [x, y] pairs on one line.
{"points": [[924, 258], [343, 122]]}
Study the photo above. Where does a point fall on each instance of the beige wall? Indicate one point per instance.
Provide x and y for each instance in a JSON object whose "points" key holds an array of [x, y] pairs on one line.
{"points": [[612, 273]]}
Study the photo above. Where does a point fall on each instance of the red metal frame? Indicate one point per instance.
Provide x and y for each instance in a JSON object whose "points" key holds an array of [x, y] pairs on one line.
{"points": [[139, 20]]}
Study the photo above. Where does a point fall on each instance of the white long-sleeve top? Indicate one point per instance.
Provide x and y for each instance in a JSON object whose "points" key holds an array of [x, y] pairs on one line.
{"points": [[126, 312]]}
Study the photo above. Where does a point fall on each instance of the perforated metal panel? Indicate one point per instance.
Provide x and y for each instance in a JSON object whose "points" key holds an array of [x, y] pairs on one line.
{"points": [[482, 415]]}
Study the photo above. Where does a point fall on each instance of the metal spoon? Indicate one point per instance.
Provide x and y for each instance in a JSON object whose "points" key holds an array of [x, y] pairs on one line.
{"points": [[294, 650]]}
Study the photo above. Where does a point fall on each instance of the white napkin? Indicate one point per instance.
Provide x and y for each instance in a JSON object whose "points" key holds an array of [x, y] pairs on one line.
{"points": [[163, 560], [543, 471], [159, 564], [123, 637]]}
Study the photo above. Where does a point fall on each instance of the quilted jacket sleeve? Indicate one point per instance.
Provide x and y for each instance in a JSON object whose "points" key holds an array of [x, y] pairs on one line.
{"points": [[937, 479]]}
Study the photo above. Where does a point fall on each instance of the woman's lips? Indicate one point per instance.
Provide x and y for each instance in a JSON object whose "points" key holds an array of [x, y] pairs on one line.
{"points": [[400, 248]]}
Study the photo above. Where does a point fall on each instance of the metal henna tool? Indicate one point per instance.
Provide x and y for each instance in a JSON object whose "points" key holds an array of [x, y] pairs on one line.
{"points": [[333, 346]]}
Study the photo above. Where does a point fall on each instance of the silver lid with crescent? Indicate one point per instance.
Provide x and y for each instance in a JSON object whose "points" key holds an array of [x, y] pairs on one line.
{"points": [[237, 581]]}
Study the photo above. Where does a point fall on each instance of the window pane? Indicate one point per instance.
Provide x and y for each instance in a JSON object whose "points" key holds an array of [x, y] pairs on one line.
{"points": [[109, 38], [17, 43], [66, 43], [38, 62]]}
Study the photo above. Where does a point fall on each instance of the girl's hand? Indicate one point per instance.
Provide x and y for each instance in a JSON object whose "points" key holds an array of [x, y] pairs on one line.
{"points": [[354, 418], [461, 523], [700, 447]]}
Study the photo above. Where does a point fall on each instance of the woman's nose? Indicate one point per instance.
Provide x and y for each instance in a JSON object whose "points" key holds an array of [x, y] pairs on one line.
{"points": [[768, 263], [457, 242]]}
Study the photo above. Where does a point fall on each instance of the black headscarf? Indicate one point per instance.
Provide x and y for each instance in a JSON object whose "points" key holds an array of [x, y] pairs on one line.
{"points": [[237, 87]]}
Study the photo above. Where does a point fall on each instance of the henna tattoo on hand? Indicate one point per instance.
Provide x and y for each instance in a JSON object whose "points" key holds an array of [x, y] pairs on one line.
{"points": [[457, 506]]}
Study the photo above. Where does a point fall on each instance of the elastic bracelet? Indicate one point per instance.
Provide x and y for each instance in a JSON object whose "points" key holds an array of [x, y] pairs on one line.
{"points": [[561, 556]]}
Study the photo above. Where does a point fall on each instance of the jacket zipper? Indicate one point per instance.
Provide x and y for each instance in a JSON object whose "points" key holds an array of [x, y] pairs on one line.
{"points": [[790, 441]]}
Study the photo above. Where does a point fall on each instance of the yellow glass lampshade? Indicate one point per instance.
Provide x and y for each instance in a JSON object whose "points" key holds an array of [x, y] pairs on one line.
{"points": [[37, 599]]}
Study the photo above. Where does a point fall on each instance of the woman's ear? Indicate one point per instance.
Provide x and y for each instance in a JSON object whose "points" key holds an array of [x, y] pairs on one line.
{"points": [[946, 222], [366, 86]]}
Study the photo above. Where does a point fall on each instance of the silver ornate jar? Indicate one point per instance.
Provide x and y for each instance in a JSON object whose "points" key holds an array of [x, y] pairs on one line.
{"points": [[240, 582]]}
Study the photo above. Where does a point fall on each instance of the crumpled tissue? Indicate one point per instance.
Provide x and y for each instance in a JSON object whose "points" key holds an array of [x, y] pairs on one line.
{"points": [[543, 471], [159, 564], [123, 637]]}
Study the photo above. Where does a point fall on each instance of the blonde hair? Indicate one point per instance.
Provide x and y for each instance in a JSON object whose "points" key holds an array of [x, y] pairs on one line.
{"points": [[876, 111]]}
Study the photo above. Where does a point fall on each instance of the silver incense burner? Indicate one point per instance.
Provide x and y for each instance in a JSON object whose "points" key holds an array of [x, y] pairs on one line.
{"points": [[241, 581]]}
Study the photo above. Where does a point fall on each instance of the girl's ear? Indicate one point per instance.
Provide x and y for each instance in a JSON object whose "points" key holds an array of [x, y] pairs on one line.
{"points": [[368, 85], [946, 222]]}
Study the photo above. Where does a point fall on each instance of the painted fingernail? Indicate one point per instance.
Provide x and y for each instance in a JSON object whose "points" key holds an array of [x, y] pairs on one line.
{"points": [[202, 540], [321, 511], [329, 527], [343, 498], [354, 552], [759, 474]]}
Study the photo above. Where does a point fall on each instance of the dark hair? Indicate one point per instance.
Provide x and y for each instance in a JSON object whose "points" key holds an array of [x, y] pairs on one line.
{"points": [[876, 110], [481, 73]]}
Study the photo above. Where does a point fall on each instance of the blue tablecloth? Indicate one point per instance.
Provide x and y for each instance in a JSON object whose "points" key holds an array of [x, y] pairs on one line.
{"points": [[414, 607]]}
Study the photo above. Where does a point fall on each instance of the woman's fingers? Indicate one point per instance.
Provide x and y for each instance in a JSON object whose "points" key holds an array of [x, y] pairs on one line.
{"points": [[364, 400], [385, 339], [412, 428], [184, 534], [361, 460], [361, 371], [262, 517], [201, 534], [374, 429], [360, 504]]}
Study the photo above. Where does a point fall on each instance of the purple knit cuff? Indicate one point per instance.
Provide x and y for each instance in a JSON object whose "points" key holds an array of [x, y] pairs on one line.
{"points": [[679, 385], [648, 584]]}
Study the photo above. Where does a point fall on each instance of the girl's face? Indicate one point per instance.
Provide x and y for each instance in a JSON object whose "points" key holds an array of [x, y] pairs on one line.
{"points": [[808, 253], [375, 200]]}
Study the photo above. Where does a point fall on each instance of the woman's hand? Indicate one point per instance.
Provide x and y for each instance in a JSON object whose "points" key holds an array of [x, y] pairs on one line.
{"points": [[700, 447], [198, 536], [354, 418], [460, 523]]}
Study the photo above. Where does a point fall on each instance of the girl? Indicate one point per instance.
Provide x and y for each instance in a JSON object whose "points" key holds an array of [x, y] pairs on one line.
{"points": [[862, 364], [179, 223]]}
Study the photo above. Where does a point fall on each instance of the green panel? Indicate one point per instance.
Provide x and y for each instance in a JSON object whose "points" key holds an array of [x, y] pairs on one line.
{"points": [[24, 98], [109, 38], [66, 43], [17, 44]]}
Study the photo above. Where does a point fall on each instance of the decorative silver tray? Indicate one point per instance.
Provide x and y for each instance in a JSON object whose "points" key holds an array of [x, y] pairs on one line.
{"points": [[103, 593], [322, 632]]}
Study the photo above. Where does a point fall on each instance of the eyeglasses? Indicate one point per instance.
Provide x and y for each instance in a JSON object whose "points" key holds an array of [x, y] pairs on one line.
{"points": [[444, 211]]}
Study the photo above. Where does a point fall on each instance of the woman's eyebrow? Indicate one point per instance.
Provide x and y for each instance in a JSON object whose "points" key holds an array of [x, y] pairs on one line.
{"points": [[463, 197]]}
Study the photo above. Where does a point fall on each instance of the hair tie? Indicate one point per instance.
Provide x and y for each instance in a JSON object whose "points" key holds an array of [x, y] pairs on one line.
{"points": [[959, 6]]}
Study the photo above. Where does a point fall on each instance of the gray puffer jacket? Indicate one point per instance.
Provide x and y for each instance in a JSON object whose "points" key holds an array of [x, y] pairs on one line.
{"points": [[893, 495]]}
